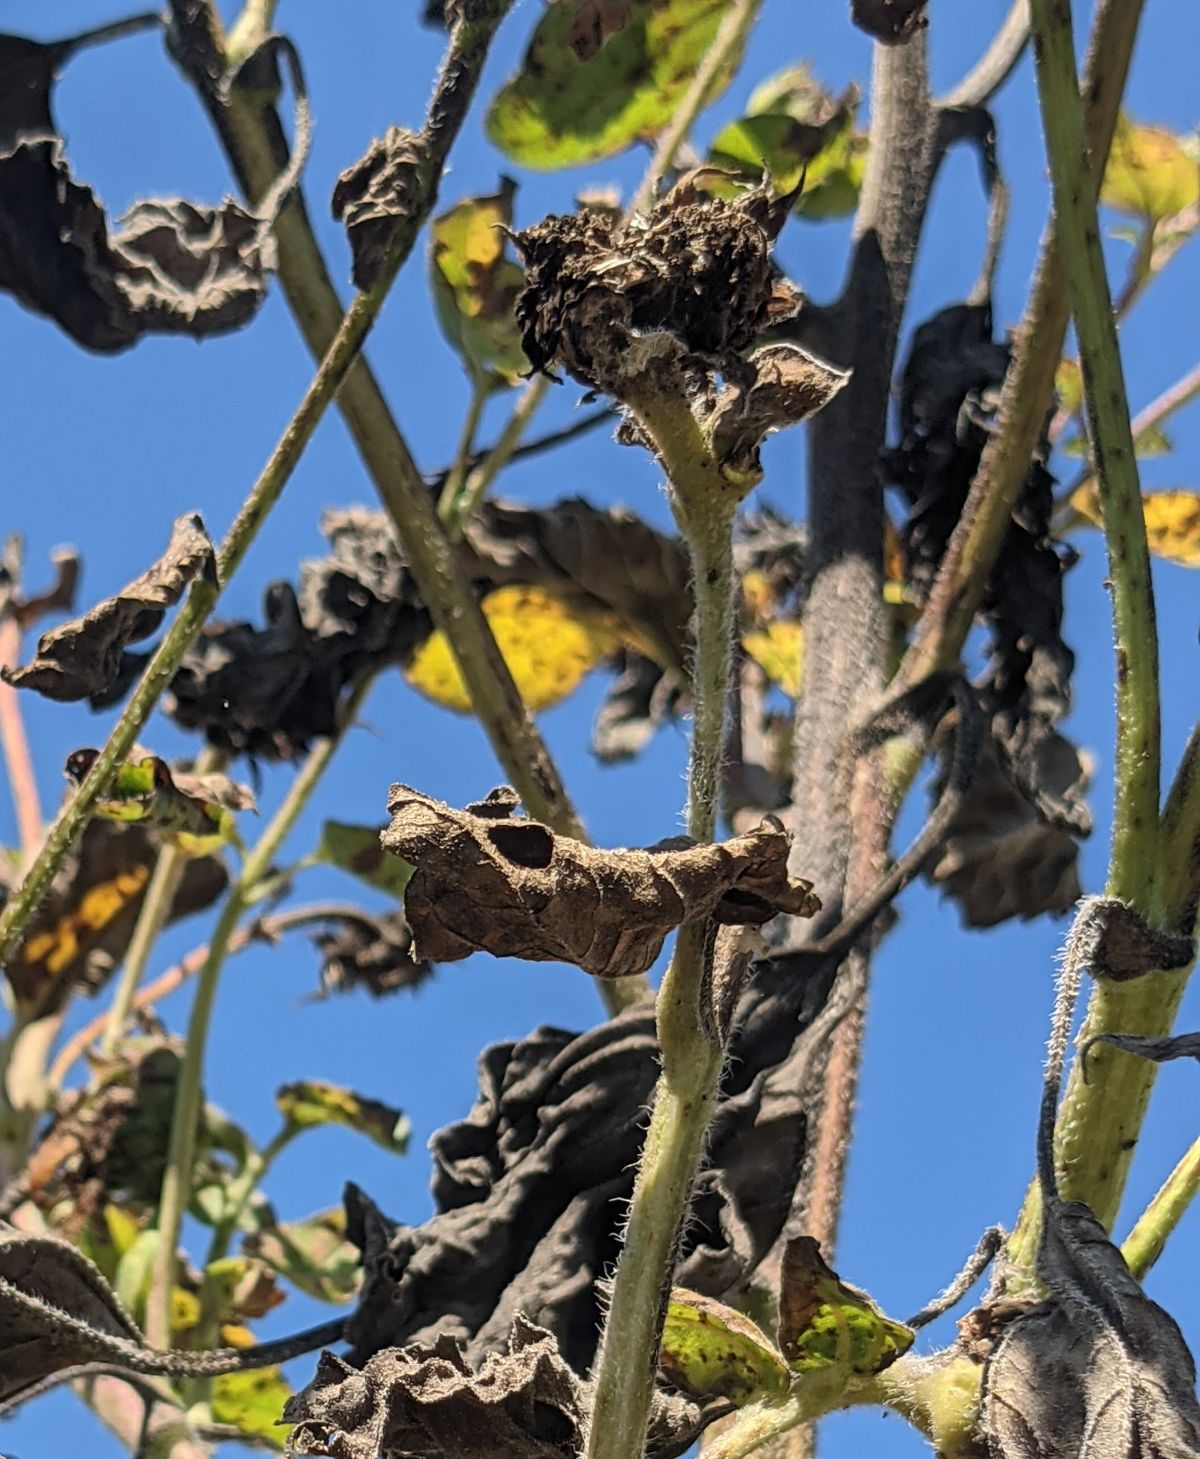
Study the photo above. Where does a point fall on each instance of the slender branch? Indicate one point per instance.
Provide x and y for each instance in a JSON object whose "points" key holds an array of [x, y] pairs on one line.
{"points": [[1179, 845], [996, 64], [177, 1177], [490, 464], [448, 504], [1144, 1244], [22, 777], [152, 918]]}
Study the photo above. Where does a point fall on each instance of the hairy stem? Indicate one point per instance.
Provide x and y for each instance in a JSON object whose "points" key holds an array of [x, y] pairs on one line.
{"points": [[1144, 1244], [177, 1177], [1179, 844]]}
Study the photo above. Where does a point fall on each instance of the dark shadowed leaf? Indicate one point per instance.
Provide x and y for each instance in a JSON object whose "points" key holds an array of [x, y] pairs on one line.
{"points": [[710, 1350], [312, 1102], [1181, 1046], [83, 657], [314, 1254], [356, 849], [826, 1324], [475, 286], [642, 698], [373, 195], [560, 110], [488, 879], [889, 21], [359, 950]]}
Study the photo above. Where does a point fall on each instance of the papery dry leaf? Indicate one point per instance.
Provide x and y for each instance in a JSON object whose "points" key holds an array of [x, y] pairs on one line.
{"points": [[373, 194], [783, 385], [488, 880], [523, 1403], [83, 657], [639, 701]]}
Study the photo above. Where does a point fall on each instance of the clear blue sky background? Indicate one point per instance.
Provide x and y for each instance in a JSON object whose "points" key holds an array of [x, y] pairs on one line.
{"points": [[103, 453]]}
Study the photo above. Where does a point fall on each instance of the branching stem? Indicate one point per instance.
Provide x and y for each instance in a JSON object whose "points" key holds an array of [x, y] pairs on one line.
{"points": [[1144, 1244]]}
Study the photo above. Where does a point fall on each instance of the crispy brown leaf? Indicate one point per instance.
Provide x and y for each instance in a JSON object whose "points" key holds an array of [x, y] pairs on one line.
{"points": [[489, 880], [83, 657], [373, 194]]}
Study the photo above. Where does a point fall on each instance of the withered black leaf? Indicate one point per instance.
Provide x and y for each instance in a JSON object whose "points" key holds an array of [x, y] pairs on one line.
{"points": [[83, 657], [889, 21], [487, 879], [523, 1403], [371, 952], [373, 194], [640, 700], [1180, 1046], [80, 932]]}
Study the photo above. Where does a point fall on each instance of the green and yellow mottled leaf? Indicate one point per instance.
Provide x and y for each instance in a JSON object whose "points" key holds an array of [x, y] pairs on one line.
{"points": [[253, 1403], [778, 649], [475, 286], [549, 644], [312, 1254], [356, 849], [1068, 385], [824, 1324], [1152, 173], [312, 1102], [710, 1351], [560, 110], [1172, 521]]}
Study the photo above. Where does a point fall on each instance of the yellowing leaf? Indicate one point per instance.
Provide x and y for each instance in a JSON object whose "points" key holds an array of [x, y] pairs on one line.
{"points": [[709, 1350], [1151, 172], [1172, 521], [1068, 385], [826, 1324], [312, 1254], [778, 649], [59, 946], [253, 1403], [548, 644], [475, 286], [312, 1102], [560, 110]]}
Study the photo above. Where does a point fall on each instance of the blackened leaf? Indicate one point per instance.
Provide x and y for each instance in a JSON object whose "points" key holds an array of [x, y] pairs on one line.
{"points": [[889, 21], [356, 849], [364, 951], [709, 1349], [373, 195], [475, 286], [80, 932], [313, 1254], [1181, 1046], [560, 110], [83, 657], [824, 1324], [523, 1403], [489, 880], [641, 699], [312, 1102]]}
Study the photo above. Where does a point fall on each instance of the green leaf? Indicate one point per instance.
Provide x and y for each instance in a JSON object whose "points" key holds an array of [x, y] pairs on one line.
{"points": [[356, 849], [824, 1324], [313, 1254], [253, 1403], [795, 129], [560, 111], [475, 286], [1151, 173], [312, 1102], [709, 1350], [1153, 441]]}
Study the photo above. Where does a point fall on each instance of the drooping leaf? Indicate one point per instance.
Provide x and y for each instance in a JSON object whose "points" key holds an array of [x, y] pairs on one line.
{"points": [[826, 1324], [79, 933], [356, 849], [243, 1286], [710, 1350], [797, 132], [312, 1102], [560, 110], [372, 197], [83, 657], [363, 951], [196, 813], [475, 286], [889, 21], [1151, 173], [313, 1254], [548, 644], [1181, 1046], [1172, 521], [253, 1403], [488, 879]]}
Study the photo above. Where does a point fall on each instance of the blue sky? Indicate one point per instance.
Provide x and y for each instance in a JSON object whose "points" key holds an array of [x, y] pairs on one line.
{"points": [[104, 452]]}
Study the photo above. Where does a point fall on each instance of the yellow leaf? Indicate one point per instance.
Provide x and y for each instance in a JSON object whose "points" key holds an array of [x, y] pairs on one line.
{"points": [[778, 649], [1068, 385], [548, 644], [1151, 172], [1172, 521]]}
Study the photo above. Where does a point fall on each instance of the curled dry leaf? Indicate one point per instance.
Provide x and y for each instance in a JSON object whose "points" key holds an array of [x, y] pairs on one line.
{"points": [[889, 21], [363, 951], [1114, 941], [826, 1324], [1181, 1046], [783, 385], [489, 880], [83, 657], [373, 194], [523, 1403]]}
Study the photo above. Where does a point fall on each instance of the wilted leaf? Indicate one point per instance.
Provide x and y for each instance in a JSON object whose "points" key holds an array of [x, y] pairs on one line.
{"points": [[79, 933], [376, 953], [356, 849], [312, 1102], [549, 645], [1181, 1046], [253, 1403], [475, 286], [1172, 521], [560, 110], [824, 1323], [524, 1403], [244, 1286], [889, 21], [197, 813], [709, 1349], [798, 132], [83, 657], [487, 879], [313, 1254], [782, 386], [373, 195], [1151, 172], [641, 699]]}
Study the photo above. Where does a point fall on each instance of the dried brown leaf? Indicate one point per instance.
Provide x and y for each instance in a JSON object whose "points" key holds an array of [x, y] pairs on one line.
{"points": [[83, 657], [783, 385], [373, 194], [489, 880], [365, 951]]}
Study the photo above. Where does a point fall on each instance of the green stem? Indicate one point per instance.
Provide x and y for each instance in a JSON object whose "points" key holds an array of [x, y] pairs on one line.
{"points": [[1179, 844], [450, 505], [177, 1177], [1144, 1244], [479, 481], [152, 918]]}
